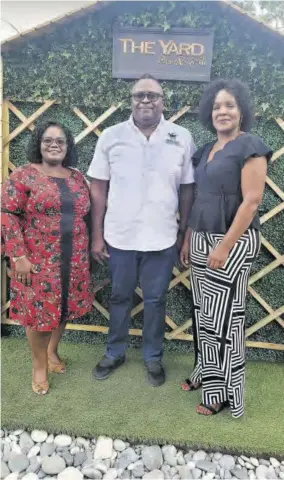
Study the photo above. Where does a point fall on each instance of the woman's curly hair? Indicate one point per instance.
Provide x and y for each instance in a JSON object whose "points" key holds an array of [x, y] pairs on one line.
{"points": [[241, 94], [33, 150]]}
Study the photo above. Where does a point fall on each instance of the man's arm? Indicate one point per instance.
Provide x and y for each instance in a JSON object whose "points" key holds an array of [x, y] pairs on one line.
{"points": [[186, 191], [99, 172], [185, 205], [99, 192]]}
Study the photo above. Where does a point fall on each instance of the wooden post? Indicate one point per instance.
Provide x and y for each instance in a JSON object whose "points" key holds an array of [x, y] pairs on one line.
{"points": [[4, 174]]}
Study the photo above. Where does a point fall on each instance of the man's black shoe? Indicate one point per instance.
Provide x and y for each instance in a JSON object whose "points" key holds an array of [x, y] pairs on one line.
{"points": [[106, 366], [155, 373]]}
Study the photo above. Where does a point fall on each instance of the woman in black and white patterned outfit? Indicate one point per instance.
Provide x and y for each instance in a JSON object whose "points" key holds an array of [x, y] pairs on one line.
{"points": [[221, 243]]}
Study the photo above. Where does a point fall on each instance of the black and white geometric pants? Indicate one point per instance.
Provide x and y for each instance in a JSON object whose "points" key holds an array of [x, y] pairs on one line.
{"points": [[219, 298]]}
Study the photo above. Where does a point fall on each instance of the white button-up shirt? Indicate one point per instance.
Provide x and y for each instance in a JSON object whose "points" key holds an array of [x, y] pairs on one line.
{"points": [[144, 179]]}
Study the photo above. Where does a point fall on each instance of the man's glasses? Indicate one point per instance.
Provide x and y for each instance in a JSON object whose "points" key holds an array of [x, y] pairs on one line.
{"points": [[151, 96], [48, 141]]}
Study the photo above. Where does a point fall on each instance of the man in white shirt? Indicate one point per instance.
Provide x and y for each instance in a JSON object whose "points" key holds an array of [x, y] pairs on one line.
{"points": [[141, 175]]}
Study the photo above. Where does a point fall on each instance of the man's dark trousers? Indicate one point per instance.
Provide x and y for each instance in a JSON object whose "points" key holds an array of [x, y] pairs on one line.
{"points": [[154, 271]]}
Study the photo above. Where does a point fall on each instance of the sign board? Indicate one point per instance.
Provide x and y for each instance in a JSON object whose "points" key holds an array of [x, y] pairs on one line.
{"points": [[178, 54]]}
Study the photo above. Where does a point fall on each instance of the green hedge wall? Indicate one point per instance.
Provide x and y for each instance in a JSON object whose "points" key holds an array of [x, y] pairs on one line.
{"points": [[73, 64]]}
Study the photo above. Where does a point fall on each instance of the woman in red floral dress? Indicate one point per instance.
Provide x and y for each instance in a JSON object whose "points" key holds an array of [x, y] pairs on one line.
{"points": [[45, 205]]}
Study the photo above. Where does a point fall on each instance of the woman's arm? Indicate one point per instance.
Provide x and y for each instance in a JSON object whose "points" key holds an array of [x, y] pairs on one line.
{"points": [[14, 199], [252, 184]]}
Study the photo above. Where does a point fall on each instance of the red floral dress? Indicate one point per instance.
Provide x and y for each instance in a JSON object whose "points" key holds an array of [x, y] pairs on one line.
{"points": [[45, 218]]}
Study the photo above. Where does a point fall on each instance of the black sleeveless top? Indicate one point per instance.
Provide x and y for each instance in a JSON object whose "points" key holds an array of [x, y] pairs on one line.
{"points": [[218, 183]]}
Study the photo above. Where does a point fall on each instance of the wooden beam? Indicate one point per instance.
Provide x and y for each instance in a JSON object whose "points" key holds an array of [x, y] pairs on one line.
{"points": [[180, 329], [20, 115], [270, 346], [5, 147], [179, 114], [85, 119], [264, 271], [275, 188], [269, 247], [265, 305], [280, 122], [28, 121], [272, 213], [264, 321], [138, 332], [97, 122]]}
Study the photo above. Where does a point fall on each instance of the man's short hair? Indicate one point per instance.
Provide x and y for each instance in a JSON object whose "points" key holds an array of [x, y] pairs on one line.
{"points": [[147, 76]]}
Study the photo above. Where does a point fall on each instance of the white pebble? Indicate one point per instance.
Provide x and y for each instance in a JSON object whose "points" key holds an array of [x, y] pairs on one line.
{"points": [[63, 440], [50, 438], [13, 476], [74, 450], [13, 437], [262, 472], [33, 451], [70, 473], [119, 445], [111, 474], [191, 465], [103, 448], [82, 442], [274, 462], [218, 455], [39, 436], [252, 475], [17, 449], [30, 476], [18, 432], [254, 461]]}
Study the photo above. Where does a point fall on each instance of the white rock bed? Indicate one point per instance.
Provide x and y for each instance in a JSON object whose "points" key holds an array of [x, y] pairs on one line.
{"points": [[39, 455]]}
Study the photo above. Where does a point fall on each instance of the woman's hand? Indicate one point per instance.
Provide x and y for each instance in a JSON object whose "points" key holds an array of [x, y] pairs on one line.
{"points": [[184, 254], [218, 257], [23, 270]]}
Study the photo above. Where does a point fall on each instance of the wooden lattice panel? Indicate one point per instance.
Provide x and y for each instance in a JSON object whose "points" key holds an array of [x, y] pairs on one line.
{"points": [[177, 332]]}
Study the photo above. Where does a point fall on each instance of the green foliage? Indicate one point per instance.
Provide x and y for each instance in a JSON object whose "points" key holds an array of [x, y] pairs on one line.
{"points": [[72, 63]]}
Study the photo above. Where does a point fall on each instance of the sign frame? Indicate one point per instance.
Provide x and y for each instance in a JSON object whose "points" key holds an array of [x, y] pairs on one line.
{"points": [[165, 72]]}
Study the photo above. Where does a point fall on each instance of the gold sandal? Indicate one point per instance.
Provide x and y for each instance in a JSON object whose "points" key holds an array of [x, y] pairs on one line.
{"points": [[56, 367], [40, 388]]}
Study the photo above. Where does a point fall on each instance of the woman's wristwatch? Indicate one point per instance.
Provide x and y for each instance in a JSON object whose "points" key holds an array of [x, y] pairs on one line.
{"points": [[15, 259]]}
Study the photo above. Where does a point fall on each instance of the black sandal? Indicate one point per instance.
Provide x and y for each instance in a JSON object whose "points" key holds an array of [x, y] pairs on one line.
{"points": [[213, 410], [192, 387]]}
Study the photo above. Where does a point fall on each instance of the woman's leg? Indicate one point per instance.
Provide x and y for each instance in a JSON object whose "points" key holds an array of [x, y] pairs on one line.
{"points": [[222, 335], [38, 342], [198, 257], [53, 344]]}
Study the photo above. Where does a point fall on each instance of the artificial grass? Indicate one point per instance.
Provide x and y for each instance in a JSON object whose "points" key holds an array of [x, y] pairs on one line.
{"points": [[125, 406]]}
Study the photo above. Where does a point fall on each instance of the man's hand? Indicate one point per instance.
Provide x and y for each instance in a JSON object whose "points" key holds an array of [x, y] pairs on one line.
{"points": [[184, 254], [23, 270], [218, 257], [99, 250]]}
